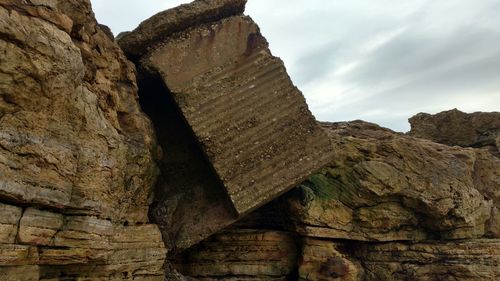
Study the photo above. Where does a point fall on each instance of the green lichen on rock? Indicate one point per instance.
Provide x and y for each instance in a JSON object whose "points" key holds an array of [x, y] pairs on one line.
{"points": [[322, 185]]}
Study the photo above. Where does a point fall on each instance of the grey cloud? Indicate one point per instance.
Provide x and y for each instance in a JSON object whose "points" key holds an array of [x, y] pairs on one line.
{"points": [[446, 56]]}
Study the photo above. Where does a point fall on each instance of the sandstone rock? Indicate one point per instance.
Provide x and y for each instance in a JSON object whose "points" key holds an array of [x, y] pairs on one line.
{"points": [[9, 222], [71, 112], [164, 24], [461, 260], [76, 151], [321, 260], [190, 204], [242, 255], [458, 128], [85, 247], [17, 255], [384, 186], [39, 227]]}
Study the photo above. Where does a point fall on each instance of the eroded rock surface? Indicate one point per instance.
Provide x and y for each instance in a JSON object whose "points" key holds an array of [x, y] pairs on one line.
{"points": [[251, 122], [453, 127], [385, 186], [242, 255], [323, 260], [164, 24], [460, 260], [76, 152], [349, 221]]}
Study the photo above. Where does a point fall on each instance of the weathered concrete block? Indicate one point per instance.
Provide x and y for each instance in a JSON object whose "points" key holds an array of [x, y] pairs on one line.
{"points": [[207, 64], [251, 121]]}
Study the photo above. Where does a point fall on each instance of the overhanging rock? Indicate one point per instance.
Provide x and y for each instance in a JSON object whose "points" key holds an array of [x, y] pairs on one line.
{"points": [[251, 122]]}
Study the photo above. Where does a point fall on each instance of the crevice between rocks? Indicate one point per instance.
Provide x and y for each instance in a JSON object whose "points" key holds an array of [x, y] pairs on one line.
{"points": [[187, 187]]}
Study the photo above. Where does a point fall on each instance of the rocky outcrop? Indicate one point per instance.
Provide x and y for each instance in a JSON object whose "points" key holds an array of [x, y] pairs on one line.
{"points": [[242, 255], [384, 186], [324, 260], [79, 161], [251, 122], [480, 129], [388, 207], [76, 152], [437, 260]]}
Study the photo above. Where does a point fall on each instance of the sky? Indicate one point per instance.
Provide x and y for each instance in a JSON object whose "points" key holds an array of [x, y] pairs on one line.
{"points": [[381, 61]]}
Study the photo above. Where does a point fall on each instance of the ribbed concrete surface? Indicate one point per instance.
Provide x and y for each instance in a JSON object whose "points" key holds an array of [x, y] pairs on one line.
{"points": [[252, 122]]}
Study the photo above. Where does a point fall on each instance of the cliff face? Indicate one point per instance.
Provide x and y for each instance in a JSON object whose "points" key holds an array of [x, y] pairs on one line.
{"points": [[239, 181], [76, 152], [388, 207]]}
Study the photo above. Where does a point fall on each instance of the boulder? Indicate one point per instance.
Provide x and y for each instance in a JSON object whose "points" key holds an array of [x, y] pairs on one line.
{"points": [[454, 127], [385, 186]]}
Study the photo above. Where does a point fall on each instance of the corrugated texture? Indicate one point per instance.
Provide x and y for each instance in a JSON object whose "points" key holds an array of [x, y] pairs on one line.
{"points": [[252, 122]]}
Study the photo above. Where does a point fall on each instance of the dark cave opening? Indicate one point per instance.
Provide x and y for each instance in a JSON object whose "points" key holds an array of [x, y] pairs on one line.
{"points": [[189, 198]]}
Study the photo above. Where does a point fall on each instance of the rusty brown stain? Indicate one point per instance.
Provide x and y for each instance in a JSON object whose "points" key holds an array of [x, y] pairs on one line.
{"points": [[253, 42]]}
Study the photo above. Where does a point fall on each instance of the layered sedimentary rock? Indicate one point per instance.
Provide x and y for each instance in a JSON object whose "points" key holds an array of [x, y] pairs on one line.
{"points": [[385, 186], [324, 260], [76, 152], [251, 122], [78, 161], [480, 130], [437, 260], [242, 255], [453, 127]]}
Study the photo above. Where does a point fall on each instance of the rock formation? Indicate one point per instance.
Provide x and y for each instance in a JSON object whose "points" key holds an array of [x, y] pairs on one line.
{"points": [[82, 168], [76, 152], [388, 207], [252, 123], [453, 127]]}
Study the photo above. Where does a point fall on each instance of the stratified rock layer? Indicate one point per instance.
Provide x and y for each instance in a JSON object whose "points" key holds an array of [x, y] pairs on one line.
{"points": [[462, 260], [241, 255], [385, 186], [388, 207], [322, 260], [76, 152]]}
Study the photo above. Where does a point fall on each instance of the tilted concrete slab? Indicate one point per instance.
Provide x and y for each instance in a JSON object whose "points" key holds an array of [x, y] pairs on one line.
{"points": [[235, 131], [251, 121]]}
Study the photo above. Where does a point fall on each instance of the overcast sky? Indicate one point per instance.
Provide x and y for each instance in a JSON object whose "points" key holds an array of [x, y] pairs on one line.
{"points": [[379, 60]]}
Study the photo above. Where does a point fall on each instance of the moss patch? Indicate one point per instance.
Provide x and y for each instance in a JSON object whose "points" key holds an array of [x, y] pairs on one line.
{"points": [[323, 186]]}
